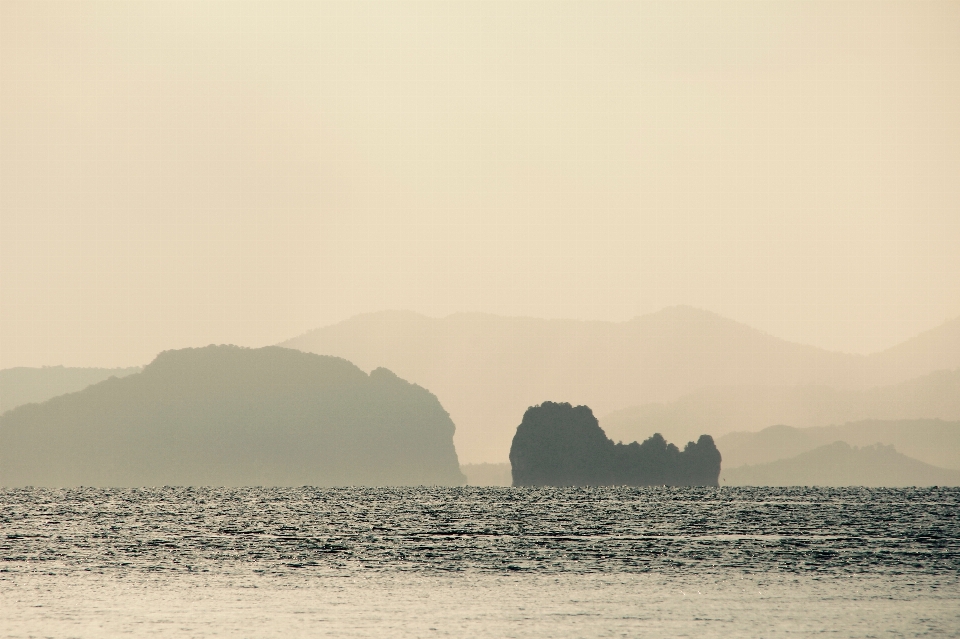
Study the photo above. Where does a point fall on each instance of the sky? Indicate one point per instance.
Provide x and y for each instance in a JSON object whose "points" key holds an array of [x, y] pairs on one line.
{"points": [[179, 174]]}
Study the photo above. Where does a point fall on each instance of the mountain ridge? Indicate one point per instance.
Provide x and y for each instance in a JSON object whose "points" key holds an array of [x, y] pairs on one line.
{"points": [[931, 441], [840, 464], [26, 385], [724, 409], [487, 369]]}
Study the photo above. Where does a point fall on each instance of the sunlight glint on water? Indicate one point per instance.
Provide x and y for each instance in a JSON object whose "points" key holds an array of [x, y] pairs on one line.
{"points": [[479, 562]]}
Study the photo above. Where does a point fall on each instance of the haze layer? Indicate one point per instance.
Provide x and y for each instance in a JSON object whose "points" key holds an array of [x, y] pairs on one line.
{"points": [[180, 174], [487, 370]]}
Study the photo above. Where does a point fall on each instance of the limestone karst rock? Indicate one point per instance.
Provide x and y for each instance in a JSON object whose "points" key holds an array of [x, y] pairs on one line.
{"points": [[557, 444]]}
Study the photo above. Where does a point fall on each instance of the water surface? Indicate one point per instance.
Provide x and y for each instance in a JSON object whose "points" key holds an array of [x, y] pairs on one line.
{"points": [[479, 562]]}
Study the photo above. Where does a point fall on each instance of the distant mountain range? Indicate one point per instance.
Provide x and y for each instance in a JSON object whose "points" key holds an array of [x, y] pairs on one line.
{"points": [[230, 416], [681, 372], [487, 370], [723, 409], [892, 453], [839, 464], [24, 385], [931, 441]]}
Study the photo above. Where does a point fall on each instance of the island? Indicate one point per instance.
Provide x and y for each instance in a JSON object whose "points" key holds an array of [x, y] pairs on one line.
{"points": [[557, 444], [231, 416]]}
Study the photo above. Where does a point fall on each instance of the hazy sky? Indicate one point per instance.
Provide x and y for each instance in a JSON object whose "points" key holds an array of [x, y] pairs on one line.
{"points": [[176, 174]]}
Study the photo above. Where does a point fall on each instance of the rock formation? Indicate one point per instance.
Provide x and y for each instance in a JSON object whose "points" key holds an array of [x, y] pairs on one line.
{"points": [[561, 445]]}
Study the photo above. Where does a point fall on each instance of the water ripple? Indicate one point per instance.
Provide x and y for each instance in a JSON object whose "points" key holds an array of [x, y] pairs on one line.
{"points": [[541, 530]]}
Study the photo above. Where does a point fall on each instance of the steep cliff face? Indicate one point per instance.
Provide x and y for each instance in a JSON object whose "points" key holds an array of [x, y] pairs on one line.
{"points": [[561, 445], [228, 416]]}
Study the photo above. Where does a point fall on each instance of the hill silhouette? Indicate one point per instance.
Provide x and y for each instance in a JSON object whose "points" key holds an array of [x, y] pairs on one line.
{"points": [[229, 416], [487, 369], [931, 441], [23, 385], [724, 409], [839, 464], [932, 350], [557, 444]]}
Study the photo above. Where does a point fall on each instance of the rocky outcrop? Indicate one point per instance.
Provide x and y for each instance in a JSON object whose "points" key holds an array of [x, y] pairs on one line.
{"points": [[557, 444]]}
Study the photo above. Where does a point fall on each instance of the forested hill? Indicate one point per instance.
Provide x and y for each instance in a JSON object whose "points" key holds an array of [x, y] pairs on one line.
{"points": [[228, 416]]}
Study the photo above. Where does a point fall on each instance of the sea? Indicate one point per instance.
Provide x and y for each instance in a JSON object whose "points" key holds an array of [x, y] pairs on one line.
{"points": [[480, 562]]}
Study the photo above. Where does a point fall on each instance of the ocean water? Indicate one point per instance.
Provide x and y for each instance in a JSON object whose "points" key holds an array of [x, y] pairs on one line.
{"points": [[479, 562]]}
